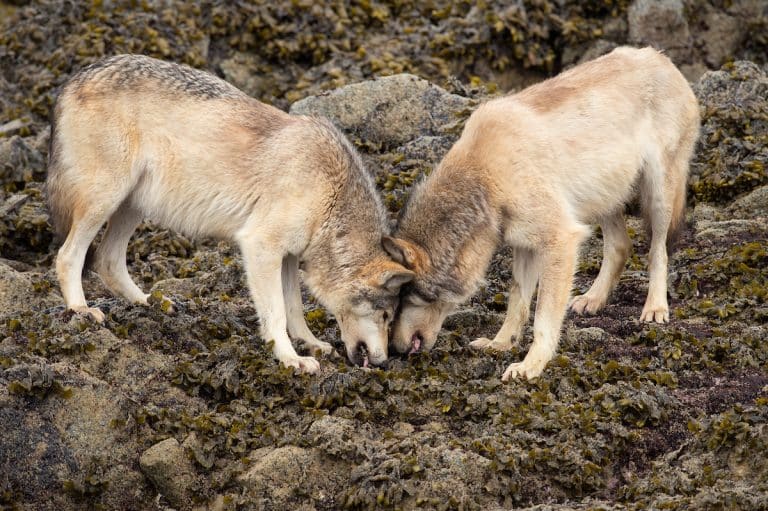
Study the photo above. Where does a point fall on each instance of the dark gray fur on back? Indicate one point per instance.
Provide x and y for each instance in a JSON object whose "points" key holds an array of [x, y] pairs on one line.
{"points": [[126, 71]]}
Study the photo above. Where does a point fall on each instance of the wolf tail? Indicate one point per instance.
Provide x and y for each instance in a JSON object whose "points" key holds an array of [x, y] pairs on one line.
{"points": [[60, 193], [682, 162], [677, 221], [55, 187]]}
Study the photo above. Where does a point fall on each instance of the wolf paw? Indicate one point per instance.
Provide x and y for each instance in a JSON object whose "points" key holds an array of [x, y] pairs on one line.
{"points": [[93, 312], [586, 304], [484, 343], [659, 314], [304, 364], [163, 302], [315, 345], [521, 370]]}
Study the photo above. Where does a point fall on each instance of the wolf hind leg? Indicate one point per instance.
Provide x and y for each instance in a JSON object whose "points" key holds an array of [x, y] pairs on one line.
{"points": [[110, 261], [616, 249], [525, 275], [297, 325], [71, 258], [659, 194]]}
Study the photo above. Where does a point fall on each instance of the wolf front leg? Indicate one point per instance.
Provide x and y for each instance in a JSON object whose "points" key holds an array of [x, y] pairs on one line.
{"points": [[525, 274], [558, 263], [297, 325], [263, 270]]}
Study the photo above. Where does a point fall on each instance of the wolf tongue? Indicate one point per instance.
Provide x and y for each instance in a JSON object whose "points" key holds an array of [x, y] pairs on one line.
{"points": [[365, 361], [415, 344]]}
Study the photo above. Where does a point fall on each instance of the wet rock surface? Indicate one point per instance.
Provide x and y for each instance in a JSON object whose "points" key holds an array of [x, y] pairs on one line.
{"points": [[627, 416]]}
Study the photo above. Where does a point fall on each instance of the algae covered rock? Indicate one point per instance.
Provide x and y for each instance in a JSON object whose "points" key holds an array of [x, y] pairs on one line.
{"points": [[24, 291], [732, 154], [627, 416], [60, 448], [19, 162]]}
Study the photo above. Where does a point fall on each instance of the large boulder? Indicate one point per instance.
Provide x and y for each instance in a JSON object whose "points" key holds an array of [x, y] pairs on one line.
{"points": [[387, 112], [661, 24], [61, 445]]}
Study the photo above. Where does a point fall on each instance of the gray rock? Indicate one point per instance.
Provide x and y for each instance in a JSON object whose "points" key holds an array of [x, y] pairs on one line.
{"points": [[583, 336], [704, 212], [388, 111], [732, 154], [598, 48], [741, 81], [715, 230], [17, 291], [661, 24], [577, 54], [243, 71], [277, 474], [271, 466], [19, 160], [722, 37], [67, 439], [429, 149], [171, 471], [752, 205]]}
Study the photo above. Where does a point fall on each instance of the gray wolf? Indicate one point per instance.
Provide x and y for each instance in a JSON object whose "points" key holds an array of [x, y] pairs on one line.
{"points": [[135, 138], [533, 170]]}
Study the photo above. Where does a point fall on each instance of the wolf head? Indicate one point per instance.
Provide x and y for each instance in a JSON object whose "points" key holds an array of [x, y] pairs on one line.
{"points": [[363, 297], [367, 308], [346, 266], [446, 235], [424, 303]]}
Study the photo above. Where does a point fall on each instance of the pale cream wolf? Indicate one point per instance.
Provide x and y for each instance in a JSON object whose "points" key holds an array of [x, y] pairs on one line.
{"points": [[134, 137], [533, 170]]}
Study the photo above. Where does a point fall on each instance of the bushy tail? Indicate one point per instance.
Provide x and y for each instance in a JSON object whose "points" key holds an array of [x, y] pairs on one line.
{"points": [[55, 188], [682, 167], [677, 221], [58, 194]]}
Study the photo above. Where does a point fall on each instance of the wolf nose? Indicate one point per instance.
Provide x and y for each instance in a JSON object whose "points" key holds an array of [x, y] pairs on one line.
{"points": [[416, 341], [362, 353]]}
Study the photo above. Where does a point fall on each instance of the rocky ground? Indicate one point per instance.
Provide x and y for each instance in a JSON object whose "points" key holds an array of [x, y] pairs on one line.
{"points": [[160, 410]]}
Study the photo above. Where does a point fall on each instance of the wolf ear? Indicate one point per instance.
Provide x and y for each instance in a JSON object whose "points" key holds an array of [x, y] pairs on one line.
{"points": [[400, 250], [392, 279]]}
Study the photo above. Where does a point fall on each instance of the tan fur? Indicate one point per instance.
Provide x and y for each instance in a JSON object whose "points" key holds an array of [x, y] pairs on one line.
{"points": [[135, 138], [535, 169]]}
